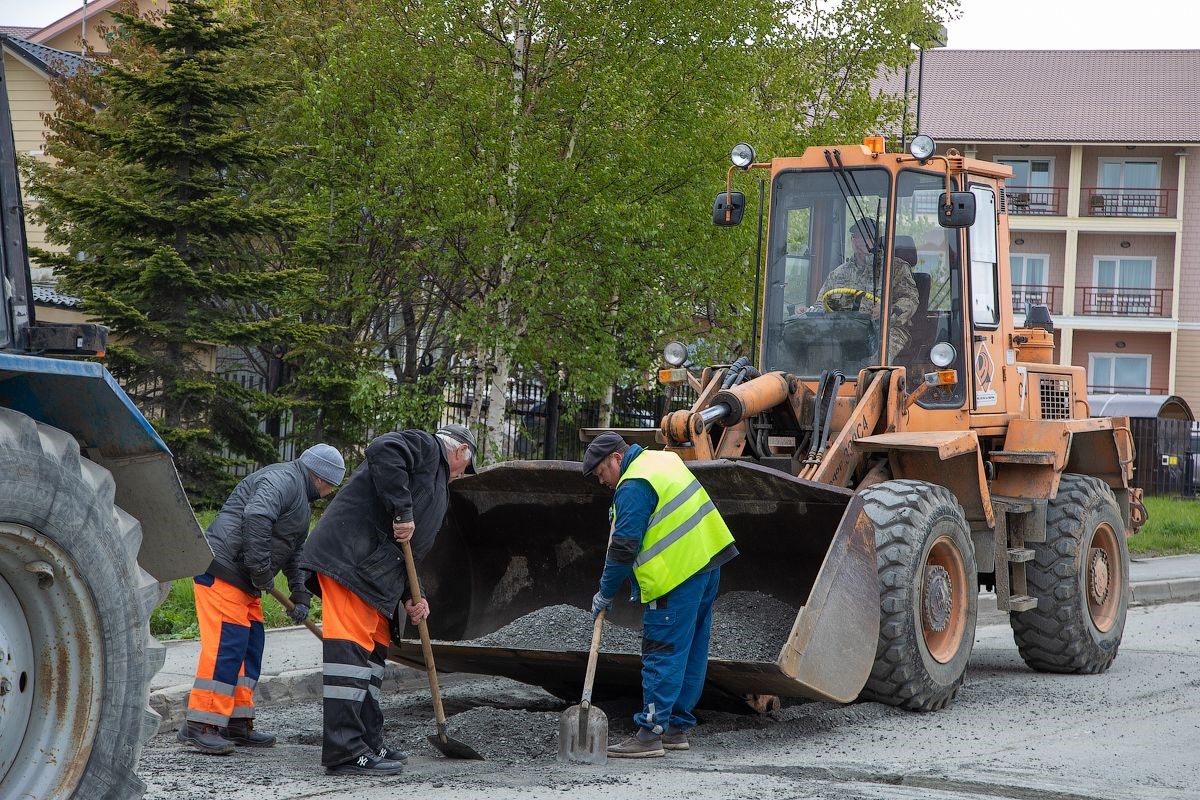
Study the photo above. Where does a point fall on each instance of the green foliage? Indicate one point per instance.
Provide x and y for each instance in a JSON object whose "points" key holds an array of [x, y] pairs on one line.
{"points": [[152, 194], [1173, 528]]}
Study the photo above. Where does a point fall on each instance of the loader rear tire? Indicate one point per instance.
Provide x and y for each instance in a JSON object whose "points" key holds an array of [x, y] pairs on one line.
{"points": [[1080, 577], [74, 608], [928, 591]]}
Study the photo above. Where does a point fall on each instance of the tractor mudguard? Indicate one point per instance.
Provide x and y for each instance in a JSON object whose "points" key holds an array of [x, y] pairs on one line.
{"points": [[83, 399]]}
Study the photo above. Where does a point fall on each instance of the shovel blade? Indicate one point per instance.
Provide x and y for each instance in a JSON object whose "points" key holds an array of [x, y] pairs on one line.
{"points": [[452, 748], [588, 745]]}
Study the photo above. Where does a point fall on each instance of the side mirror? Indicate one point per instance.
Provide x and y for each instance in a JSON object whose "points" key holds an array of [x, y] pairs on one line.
{"points": [[957, 210], [728, 209]]}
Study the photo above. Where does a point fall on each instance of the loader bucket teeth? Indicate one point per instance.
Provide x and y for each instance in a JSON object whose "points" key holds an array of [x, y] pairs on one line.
{"points": [[521, 536]]}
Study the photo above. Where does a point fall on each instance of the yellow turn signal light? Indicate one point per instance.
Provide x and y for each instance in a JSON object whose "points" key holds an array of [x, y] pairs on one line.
{"points": [[943, 377], [874, 143], [672, 375]]}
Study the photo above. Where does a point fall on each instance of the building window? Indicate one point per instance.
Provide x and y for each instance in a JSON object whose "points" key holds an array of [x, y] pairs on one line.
{"points": [[1029, 281], [1112, 373], [1029, 173], [1124, 287], [1128, 188]]}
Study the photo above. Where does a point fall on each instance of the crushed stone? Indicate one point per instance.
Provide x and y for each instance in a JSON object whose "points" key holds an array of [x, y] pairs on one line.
{"points": [[560, 628], [504, 735], [749, 626]]}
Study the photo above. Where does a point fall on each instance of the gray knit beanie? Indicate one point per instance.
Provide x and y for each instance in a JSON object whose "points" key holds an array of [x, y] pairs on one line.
{"points": [[325, 462]]}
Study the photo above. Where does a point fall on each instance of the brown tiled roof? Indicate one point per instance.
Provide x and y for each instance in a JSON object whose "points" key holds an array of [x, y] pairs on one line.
{"points": [[18, 31], [1057, 95]]}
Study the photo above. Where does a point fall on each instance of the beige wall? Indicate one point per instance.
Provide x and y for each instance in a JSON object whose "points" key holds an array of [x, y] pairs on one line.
{"points": [[1189, 267], [1155, 345], [29, 97], [68, 37], [1187, 375]]}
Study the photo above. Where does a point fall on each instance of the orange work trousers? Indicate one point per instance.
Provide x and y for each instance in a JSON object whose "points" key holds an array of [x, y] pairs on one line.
{"points": [[231, 648], [356, 639]]}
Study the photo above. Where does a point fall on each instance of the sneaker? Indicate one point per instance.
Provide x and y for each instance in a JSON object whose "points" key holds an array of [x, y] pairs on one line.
{"points": [[205, 738], [241, 731], [392, 754], [367, 764], [637, 747], [675, 739]]}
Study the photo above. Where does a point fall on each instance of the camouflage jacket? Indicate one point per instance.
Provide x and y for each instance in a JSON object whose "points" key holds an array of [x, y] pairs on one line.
{"points": [[850, 274]]}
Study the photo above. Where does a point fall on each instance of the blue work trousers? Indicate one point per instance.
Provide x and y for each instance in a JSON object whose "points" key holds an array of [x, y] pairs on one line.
{"points": [[675, 631]]}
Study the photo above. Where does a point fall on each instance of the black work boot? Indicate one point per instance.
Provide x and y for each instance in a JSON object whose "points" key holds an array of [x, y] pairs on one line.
{"points": [[642, 744], [367, 764], [241, 731], [205, 738]]}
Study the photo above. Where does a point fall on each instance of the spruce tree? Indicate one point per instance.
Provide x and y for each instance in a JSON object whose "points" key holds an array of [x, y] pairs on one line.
{"points": [[168, 241]]}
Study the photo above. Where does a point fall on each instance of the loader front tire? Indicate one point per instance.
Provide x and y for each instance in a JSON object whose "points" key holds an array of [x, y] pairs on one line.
{"points": [[928, 591], [1080, 577], [77, 656]]}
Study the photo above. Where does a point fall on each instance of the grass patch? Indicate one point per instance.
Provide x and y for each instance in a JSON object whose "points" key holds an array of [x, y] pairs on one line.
{"points": [[1173, 528], [176, 617]]}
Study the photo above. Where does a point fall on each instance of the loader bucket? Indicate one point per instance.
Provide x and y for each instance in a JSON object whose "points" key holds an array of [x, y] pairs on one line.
{"points": [[524, 535]]}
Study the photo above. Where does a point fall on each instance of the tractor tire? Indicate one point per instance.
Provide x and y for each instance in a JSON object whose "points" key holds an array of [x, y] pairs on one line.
{"points": [[77, 656], [928, 592], [1080, 577]]}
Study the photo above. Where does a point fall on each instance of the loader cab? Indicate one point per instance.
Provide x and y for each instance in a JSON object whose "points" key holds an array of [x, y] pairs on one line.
{"points": [[827, 283]]}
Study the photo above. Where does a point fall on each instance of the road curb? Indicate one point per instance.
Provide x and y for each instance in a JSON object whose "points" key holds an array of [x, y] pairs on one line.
{"points": [[1177, 590], [293, 686]]}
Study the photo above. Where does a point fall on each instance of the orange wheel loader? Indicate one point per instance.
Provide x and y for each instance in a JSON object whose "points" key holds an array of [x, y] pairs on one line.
{"points": [[899, 442]]}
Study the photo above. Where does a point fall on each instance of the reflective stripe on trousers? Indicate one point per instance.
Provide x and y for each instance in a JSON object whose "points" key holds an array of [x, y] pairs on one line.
{"points": [[231, 647], [355, 644]]}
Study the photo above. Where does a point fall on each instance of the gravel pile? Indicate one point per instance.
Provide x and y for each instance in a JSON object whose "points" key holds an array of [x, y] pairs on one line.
{"points": [[498, 734], [560, 628], [749, 626]]}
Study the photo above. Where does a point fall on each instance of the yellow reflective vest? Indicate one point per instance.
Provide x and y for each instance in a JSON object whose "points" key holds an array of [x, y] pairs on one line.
{"points": [[684, 532]]}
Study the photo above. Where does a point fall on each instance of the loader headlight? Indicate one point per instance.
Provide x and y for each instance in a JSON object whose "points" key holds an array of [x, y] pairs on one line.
{"points": [[921, 147], [742, 155], [675, 353], [942, 354]]}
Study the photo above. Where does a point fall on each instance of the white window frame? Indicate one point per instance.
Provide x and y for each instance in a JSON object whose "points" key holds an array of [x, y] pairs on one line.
{"points": [[1049, 159], [1112, 373], [1096, 270], [1045, 258], [1123, 161]]}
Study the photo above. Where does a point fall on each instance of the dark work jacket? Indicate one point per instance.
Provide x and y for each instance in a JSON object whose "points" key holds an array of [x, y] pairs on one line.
{"points": [[261, 528], [405, 475]]}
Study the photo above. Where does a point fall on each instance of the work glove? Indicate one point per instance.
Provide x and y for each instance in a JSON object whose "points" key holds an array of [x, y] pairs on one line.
{"points": [[600, 603], [299, 613]]}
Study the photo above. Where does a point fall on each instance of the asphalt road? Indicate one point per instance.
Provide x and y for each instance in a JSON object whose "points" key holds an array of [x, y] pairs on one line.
{"points": [[1133, 732]]}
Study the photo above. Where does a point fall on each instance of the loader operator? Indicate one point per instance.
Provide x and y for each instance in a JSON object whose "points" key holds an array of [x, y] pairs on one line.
{"points": [[257, 533], [854, 286], [667, 536], [398, 494]]}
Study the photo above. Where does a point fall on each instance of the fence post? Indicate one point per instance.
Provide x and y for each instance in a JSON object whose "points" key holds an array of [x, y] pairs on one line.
{"points": [[551, 441]]}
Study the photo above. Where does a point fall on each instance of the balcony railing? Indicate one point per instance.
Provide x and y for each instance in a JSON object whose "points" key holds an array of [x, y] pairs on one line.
{"points": [[1094, 389], [1036, 200], [1029, 294], [1112, 302], [1100, 201]]}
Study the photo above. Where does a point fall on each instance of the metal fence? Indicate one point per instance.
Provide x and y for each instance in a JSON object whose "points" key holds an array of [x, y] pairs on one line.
{"points": [[541, 424], [1168, 456]]}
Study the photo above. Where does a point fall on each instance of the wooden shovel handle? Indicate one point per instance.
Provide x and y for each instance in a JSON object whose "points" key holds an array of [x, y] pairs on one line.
{"points": [[288, 605], [593, 656], [414, 588]]}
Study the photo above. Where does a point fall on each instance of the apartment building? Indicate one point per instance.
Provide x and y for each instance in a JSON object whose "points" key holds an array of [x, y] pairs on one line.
{"points": [[1103, 209]]}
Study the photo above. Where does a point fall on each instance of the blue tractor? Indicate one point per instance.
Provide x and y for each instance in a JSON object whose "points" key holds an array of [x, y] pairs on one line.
{"points": [[93, 524]]}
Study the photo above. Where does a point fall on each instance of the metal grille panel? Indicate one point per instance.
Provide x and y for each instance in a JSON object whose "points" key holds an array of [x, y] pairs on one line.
{"points": [[1054, 394]]}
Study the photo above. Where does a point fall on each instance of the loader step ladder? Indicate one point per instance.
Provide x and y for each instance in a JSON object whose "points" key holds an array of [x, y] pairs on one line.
{"points": [[1017, 521]]}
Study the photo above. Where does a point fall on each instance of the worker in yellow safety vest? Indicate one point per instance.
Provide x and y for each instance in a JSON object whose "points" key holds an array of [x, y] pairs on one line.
{"points": [[669, 538]]}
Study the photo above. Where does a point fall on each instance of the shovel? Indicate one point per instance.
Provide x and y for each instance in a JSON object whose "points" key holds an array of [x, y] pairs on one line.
{"points": [[451, 748], [583, 729], [288, 605]]}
